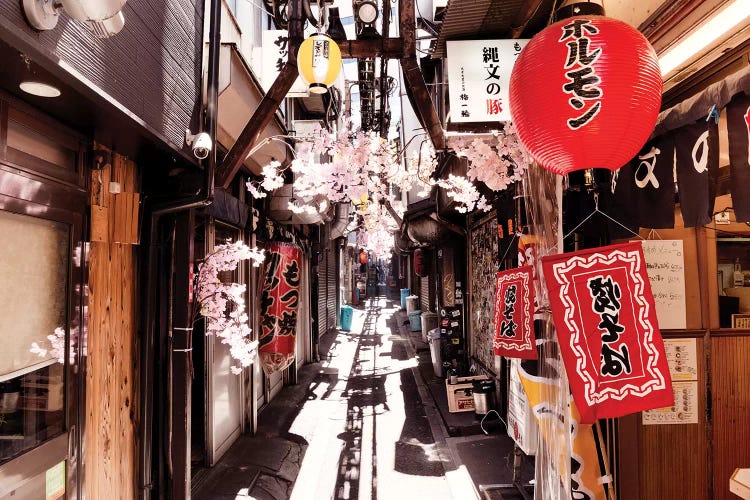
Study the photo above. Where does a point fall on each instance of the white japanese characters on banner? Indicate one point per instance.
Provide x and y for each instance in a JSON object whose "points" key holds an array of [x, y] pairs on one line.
{"points": [[275, 54], [479, 77]]}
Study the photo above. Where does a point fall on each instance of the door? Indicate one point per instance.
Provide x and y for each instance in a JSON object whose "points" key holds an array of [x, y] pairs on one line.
{"points": [[225, 389], [42, 264], [40, 359]]}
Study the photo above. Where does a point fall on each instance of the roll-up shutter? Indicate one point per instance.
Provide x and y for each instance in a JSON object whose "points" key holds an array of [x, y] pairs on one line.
{"points": [[332, 285], [424, 293], [322, 293]]}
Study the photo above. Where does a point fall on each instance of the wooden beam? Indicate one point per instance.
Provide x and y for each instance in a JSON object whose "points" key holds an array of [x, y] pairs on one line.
{"points": [[424, 107], [389, 48], [524, 16], [408, 27]]}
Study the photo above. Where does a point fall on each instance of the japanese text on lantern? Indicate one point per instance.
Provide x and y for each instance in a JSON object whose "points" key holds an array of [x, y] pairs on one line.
{"points": [[582, 80], [605, 300], [508, 326]]}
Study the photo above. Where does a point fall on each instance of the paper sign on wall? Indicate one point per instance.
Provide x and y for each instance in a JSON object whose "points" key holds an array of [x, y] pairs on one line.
{"points": [[665, 263], [479, 78], [683, 365], [55, 482], [684, 410]]}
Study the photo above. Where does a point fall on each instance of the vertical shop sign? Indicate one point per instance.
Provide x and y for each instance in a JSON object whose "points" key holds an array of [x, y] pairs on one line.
{"points": [[514, 314], [275, 54], [278, 307], [479, 77], [738, 130], [609, 336]]}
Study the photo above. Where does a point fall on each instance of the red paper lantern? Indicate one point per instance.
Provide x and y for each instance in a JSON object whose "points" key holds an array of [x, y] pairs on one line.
{"points": [[363, 257], [421, 262], [585, 93]]}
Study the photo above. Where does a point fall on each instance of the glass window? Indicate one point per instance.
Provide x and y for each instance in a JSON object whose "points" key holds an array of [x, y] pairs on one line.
{"points": [[33, 319], [38, 145]]}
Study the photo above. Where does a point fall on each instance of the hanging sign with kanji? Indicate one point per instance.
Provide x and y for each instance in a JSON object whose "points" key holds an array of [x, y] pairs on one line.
{"points": [[479, 78], [514, 314], [607, 329], [275, 55]]}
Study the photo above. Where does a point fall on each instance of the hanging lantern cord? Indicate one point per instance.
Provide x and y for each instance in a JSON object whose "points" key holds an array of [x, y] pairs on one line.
{"points": [[321, 7]]}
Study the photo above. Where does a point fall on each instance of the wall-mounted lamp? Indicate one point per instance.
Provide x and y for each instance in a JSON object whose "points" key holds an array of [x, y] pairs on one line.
{"points": [[102, 17], [31, 84], [319, 62]]}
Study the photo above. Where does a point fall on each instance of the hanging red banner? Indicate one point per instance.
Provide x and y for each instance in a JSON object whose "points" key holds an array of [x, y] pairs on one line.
{"points": [[278, 307], [609, 337], [514, 314]]}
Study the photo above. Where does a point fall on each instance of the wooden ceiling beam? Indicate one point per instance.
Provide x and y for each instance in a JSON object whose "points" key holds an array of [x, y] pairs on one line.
{"points": [[403, 48], [389, 48], [524, 16], [423, 100]]}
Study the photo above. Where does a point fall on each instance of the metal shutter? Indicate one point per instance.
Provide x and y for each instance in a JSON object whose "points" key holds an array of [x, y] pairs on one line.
{"points": [[424, 293], [322, 294], [332, 282]]}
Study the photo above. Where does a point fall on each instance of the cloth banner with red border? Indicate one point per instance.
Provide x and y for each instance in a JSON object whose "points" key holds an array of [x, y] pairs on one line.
{"points": [[514, 314], [279, 302], [607, 329]]}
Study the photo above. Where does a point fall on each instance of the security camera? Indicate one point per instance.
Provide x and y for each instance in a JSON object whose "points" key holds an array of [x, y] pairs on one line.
{"points": [[201, 144]]}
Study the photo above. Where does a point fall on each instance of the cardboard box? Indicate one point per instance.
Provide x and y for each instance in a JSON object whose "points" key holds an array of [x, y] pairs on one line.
{"points": [[461, 395], [739, 483]]}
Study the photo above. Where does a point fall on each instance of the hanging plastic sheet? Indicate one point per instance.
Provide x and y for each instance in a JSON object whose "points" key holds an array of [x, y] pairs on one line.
{"points": [[542, 193], [278, 306], [581, 463]]}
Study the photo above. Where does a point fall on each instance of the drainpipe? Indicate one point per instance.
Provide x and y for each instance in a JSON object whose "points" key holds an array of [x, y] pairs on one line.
{"points": [[202, 198]]}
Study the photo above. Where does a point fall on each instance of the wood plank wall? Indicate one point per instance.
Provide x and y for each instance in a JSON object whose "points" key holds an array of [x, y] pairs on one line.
{"points": [[695, 461], [110, 439], [731, 409]]}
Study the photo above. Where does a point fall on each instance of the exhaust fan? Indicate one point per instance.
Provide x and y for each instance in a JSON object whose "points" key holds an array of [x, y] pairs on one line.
{"points": [[103, 17]]}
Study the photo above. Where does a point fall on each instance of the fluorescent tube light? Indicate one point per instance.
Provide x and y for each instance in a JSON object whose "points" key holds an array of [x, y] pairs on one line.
{"points": [[722, 23]]}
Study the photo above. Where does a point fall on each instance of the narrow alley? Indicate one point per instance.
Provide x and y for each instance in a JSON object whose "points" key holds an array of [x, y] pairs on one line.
{"points": [[359, 424]]}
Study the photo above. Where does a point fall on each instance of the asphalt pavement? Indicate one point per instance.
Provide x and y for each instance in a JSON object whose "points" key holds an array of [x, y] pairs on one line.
{"points": [[360, 424]]}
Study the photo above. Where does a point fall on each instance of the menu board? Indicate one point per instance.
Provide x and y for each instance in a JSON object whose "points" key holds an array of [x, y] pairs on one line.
{"points": [[683, 366], [665, 263]]}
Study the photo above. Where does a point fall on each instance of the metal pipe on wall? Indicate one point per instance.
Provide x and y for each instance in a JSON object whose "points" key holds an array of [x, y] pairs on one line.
{"points": [[202, 198]]}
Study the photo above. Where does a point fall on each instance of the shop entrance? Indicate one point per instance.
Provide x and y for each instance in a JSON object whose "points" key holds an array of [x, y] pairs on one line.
{"points": [[42, 361]]}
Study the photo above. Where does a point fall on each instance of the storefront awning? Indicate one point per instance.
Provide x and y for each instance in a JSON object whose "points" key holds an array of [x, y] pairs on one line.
{"points": [[239, 95]]}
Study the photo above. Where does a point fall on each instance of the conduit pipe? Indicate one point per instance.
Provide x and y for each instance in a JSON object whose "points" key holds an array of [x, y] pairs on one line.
{"points": [[202, 198]]}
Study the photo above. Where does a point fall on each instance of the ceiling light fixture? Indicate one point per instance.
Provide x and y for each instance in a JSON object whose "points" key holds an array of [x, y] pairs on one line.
{"points": [[39, 89], [32, 85], [701, 39]]}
